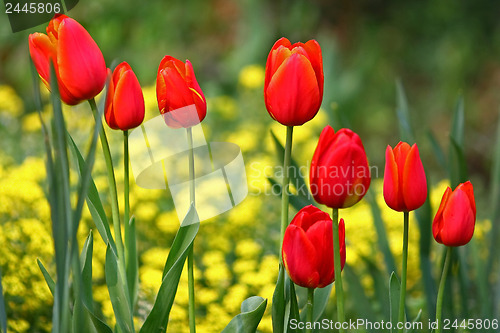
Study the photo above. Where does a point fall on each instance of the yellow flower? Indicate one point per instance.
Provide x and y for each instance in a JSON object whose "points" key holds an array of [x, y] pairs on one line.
{"points": [[252, 76]]}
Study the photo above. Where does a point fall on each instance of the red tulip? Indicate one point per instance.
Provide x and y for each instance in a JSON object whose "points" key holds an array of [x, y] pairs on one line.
{"points": [[456, 217], [339, 175], [405, 186], [293, 87], [78, 61], [308, 248], [179, 96], [124, 108]]}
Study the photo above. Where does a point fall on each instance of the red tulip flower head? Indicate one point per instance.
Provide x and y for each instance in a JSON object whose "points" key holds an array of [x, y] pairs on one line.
{"points": [[180, 99], [455, 219], [339, 175], [405, 185], [293, 86], [78, 61], [308, 248], [124, 108]]}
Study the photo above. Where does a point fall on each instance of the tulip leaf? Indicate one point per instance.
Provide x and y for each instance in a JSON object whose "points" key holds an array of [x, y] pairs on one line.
{"points": [[357, 292], [394, 291], [438, 150], [86, 261], [132, 262], [157, 319], [94, 201], [382, 240], [252, 310], [48, 279], [118, 292], [457, 163], [417, 319], [3, 314], [292, 307], [278, 305], [61, 212], [321, 297], [403, 114]]}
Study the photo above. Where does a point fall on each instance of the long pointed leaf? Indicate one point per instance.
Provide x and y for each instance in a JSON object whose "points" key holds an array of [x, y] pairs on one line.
{"points": [[394, 289], [94, 201], [48, 279], [403, 113], [157, 319], [118, 292], [278, 305], [3, 314], [252, 310]]}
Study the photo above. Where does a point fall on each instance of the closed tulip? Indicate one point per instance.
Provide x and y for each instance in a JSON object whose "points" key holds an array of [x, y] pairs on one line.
{"points": [[455, 219], [78, 61], [293, 86], [124, 108], [180, 99], [339, 175], [405, 185], [308, 248]]}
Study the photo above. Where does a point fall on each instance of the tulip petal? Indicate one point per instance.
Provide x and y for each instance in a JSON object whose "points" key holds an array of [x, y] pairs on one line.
{"points": [[41, 50], [81, 66], [299, 257], [314, 52], [391, 182], [293, 96], [414, 180], [458, 220], [128, 102], [279, 52], [320, 235], [437, 224]]}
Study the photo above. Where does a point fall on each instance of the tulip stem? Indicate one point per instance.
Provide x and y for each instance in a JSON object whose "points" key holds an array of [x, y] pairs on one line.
{"points": [[310, 308], [130, 245], [115, 212], [284, 188], [402, 294], [190, 260], [439, 302], [339, 290]]}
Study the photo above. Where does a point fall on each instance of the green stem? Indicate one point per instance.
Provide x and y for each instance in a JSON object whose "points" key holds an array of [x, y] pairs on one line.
{"points": [[439, 302], [339, 290], [310, 307], [115, 213], [190, 260], [402, 295], [284, 188], [126, 177]]}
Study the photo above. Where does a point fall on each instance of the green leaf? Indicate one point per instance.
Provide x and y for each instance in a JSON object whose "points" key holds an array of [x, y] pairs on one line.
{"points": [[94, 201], [417, 319], [382, 240], [363, 303], [297, 201], [278, 305], [403, 114], [3, 314], [132, 262], [457, 164], [438, 151], [321, 298], [252, 310], [61, 212], [86, 261], [118, 293], [48, 279], [394, 291], [291, 308], [157, 319]]}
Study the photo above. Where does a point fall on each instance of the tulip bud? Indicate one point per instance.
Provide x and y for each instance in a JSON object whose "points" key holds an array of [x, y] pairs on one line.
{"points": [[180, 99], [308, 248], [78, 61], [339, 175], [455, 219], [293, 86], [405, 185], [124, 108]]}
